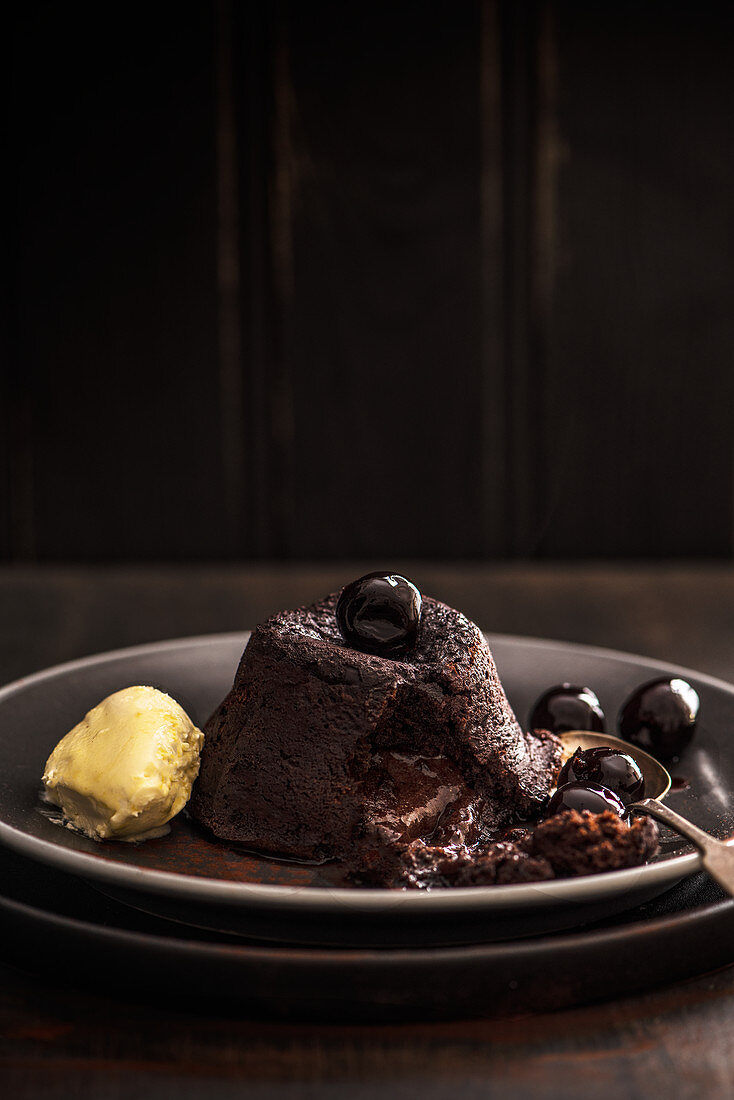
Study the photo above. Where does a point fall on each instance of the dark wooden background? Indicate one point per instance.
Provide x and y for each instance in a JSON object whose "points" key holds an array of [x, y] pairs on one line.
{"points": [[318, 280]]}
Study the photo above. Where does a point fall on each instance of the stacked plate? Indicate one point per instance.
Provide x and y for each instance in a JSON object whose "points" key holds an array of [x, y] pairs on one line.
{"points": [[220, 924]]}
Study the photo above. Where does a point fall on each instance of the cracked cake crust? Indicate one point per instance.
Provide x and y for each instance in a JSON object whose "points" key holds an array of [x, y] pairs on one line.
{"points": [[320, 750]]}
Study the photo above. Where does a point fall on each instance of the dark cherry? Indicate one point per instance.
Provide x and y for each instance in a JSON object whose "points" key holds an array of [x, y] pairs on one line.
{"points": [[567, 707], [585, 796], [660, 716], [608, 767], [380, 613]]}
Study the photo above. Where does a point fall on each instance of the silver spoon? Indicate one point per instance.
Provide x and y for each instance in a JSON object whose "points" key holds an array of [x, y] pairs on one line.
{"points": [[718, 855]]}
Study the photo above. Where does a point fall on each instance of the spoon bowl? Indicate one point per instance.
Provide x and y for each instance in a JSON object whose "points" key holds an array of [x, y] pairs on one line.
{"points": [[718, 855], [657, 778]]}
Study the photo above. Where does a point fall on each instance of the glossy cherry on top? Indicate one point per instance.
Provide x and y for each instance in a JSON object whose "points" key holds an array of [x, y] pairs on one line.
{"points": [[380, 613], [660, 716], [607, 767], [585, 796], [567, 707]]}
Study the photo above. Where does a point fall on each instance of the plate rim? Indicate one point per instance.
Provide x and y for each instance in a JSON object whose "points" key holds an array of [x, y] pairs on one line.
{"points": [[47, 673], [334, 954], [265, 895]]}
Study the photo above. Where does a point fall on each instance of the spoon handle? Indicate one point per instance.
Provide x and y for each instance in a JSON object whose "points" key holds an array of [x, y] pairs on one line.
{"points": [[718, 856]]}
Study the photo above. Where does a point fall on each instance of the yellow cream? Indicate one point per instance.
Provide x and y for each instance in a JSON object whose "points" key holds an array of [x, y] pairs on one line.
{"points": [[127, 768]]}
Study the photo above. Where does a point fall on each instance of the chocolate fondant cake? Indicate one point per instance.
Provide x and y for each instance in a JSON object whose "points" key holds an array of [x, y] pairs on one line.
{"points": [[322, 751]]}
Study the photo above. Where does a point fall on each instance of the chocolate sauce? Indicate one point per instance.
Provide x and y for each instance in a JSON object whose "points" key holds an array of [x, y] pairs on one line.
{"points": [[411, 795]]}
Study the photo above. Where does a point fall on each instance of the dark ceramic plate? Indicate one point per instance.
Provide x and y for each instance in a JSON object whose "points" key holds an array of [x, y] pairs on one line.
{"points": [[96, 944], [188, 877]]}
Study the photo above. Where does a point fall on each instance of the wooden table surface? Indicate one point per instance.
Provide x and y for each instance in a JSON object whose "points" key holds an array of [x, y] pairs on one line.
{"points": [[61, 1042]]}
